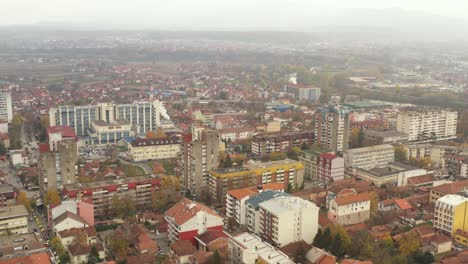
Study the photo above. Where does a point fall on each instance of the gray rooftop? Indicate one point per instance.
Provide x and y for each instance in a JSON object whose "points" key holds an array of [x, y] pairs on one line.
{"points": [[264, 196]]}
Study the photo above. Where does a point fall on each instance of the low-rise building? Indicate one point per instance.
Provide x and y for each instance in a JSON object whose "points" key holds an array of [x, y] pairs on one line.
{"points": [[349, 210], [13, 219], [394, 173], [246, 248], [143, 149], [188, 219], [68, 220], [68, 236], [289, 172], [263, 144], [236, 133], [440, 191], [284, 220], [330, 167], [19, 245], [369, 157], [378, 136], [181, 251], [79, 252]]}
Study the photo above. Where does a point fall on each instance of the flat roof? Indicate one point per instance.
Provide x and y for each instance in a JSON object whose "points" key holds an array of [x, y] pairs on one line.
{"points": [[282, 204], [452, 199], [391, 168], [12, 211], [370, 148]]}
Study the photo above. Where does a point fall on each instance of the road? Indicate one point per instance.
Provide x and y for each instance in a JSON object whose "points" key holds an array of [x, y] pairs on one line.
{"points": [[144, 166]]}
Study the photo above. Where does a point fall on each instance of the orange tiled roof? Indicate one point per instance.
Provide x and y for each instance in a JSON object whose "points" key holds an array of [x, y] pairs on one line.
{"points": [[186, 210], [362, 197], [38, 258], [242, 193]]}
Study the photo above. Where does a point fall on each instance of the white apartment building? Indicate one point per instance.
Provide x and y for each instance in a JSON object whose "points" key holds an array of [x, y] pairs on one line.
{"points": [[350, 210], [450, 213], [6, 108], [284, 220], [235, 203], [428, 125], [246, 248], [369, 157], [143, 149], [14, 219]]}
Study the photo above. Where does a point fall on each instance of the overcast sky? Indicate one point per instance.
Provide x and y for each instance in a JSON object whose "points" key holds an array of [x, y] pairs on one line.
{"points": [[207, 14]]}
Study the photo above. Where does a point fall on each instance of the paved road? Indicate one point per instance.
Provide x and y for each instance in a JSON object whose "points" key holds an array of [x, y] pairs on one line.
{"points": [[144, 166]]}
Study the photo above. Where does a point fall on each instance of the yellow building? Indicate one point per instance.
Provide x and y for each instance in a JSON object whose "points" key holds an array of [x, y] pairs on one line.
{"points": [[450, 214], [14, 219], [287, 172], [142, 149]]}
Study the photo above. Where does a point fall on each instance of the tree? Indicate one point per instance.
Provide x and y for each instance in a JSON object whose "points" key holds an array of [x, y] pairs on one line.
{"points": [[160, 133], [93, 256], [276, 156], [217, 258], [422, 258], [56, 243], [118, 246], [23, 199], [167, 195], [52, 197], [337, 246], [227, 162], [401, 154], [150, 134], [3, 150], [318, 239], [326, 239], [409, 243], [344, 236], [124, 207], [223, 95]]}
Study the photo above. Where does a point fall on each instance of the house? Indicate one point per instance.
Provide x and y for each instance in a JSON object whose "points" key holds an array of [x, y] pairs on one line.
{"points": [[461, 237], [79, 252], [68, 236], [35, 258], [380, 232], [387, 205], [350, 210], [291, 249], [187, 219], [68, 220], [441, 243], [181, 251], [403, 205], [206, 239], [319, 256]]}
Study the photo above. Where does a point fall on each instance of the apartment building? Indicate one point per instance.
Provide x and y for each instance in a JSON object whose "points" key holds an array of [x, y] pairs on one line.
{"points": [[57, 167], [380, 136], [235, 200], [143, 149], [303, 93], [246, 248], [6, 108], [330, 167], [236, 133], [143, 115], [265, 143], [428, 125], [101, 192], [288, 172], [440, 191], [198, 157], [284, 220], [252, 209], [350, 210], [450, 214], [332, 127], [187, 219], [105, 133], [309, 158], [369, 157], [394, 173], [13, 219]]}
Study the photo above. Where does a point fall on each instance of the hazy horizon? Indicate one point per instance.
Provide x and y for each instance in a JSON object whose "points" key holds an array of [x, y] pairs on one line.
{"points": [[292, 15]]}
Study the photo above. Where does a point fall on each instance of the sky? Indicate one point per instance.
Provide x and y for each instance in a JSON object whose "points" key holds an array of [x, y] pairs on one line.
{"points": [[210, 14]]}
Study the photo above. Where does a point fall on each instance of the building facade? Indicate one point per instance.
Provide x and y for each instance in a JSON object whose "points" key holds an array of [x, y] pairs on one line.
{"points": [[264, 144], [57, 168], [303, 93], [288, 172], [450, 214], [100, 193], [284, 220], [143, 115], [332, 128], [13, 219], [369, 157], [198, 157], [6, 108], [428, 125], [309, 158], [330, 167], [350, 210], [143, 149]]}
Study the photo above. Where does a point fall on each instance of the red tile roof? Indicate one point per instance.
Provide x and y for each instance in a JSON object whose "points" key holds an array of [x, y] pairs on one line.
{"points": [[451, 188], [186, 210], [183, 248], [326, 259], [65, 131], [242, 193], [421, 179], [37, 258], [89, 231], [210, 236], [403, 204], [354, 261], [44, 147], [362, 197]]}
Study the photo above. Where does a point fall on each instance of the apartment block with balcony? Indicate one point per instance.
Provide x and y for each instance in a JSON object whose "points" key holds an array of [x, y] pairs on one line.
{"points": [[284, 220], [143, 149], [428, 125], [287, 172], [330, 167], [369, 157], [451, 214], [14, 220], [309, 158], [332, 127]]}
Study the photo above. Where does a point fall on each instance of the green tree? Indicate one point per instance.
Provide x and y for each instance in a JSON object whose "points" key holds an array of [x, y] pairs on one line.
{"points": [[318, 239], [401, 154], [124, 207], [422, 258], [327, 239], [3, 150], [118, 247], [337, 246], [409, 244], [167, 195], [93, 256], [227, 162]]}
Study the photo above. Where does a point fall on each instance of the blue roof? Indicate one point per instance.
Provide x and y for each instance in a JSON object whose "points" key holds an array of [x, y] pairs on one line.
{"points": [[129, 139], [265, 196]]}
